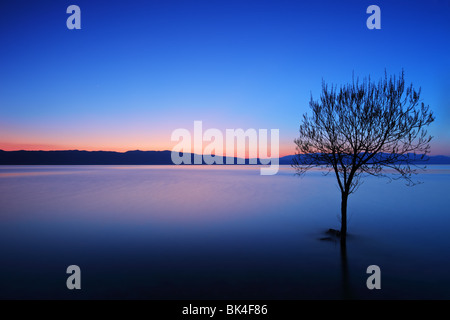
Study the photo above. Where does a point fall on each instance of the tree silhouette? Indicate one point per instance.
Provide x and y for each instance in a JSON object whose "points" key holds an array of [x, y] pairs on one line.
{"points": [[361, 129]]}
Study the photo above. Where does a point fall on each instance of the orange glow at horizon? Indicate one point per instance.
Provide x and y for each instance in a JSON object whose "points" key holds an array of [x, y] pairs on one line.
{"points": [[155, 145]]}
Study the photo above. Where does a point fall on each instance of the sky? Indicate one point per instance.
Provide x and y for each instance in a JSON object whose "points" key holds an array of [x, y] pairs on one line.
{"points": [[138, 70]]}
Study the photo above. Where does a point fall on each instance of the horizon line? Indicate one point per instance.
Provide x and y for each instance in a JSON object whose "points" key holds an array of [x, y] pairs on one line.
{"points": [[137, 150], [165, 150]]}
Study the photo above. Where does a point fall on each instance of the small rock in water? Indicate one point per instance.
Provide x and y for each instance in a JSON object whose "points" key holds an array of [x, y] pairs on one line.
{"points": [[334, 232]]}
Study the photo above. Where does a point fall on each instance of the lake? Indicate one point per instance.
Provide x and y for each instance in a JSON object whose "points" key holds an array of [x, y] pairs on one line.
{"points": [[218, 232]]}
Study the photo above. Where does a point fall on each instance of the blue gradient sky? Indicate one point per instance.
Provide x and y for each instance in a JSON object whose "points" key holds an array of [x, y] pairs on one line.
{"points": [[137, 70]]}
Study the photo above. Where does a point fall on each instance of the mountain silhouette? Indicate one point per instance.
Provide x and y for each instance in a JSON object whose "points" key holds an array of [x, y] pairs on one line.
{"points": [[136, 157], [77, 157]]}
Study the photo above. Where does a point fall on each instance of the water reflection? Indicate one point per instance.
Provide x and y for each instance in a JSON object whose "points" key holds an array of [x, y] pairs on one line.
{"points": [[165, 232], [346, 285]]}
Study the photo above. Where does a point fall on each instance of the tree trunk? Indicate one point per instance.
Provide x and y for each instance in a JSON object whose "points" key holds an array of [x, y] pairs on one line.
{"points": [[344, 216]]}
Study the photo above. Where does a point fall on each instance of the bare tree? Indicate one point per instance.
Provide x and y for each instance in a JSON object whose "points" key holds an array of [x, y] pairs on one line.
{"points": [[362, 129]]}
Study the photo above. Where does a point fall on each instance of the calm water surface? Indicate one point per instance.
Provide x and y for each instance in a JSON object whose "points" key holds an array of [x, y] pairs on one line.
{"points": [[218, 232]]}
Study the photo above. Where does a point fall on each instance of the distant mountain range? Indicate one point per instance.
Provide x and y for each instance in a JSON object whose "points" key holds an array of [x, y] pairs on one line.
{"points": [[427, 159], [77, 157]]}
